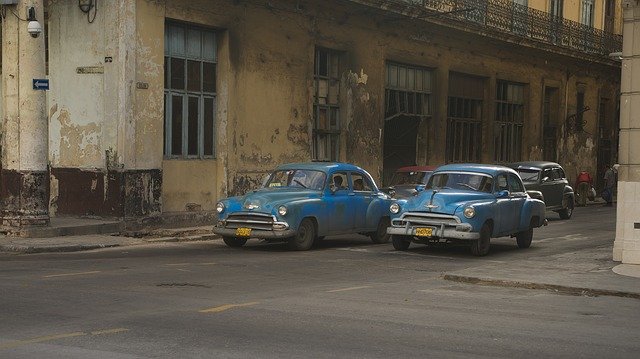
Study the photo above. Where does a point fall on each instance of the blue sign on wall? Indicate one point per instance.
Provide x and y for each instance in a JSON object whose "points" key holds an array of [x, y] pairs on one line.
{"points": [[40, 84]]}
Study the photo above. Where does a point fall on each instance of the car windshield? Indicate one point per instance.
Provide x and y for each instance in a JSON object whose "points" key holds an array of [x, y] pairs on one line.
{"points": [[465, 181], [297, 178], [528, 175], [409, 178]]}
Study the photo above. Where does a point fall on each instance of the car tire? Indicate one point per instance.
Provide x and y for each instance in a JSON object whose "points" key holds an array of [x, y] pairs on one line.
{"points": [[380, 235], [304, 238], [524, 238], [234, 242], [401, 243], [566, 212], [480, 247]]}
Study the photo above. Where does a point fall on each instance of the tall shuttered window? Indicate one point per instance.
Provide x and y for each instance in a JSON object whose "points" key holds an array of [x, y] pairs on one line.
{"points": [[326, 109], [189, 91], [509, 120], [464, 118]]}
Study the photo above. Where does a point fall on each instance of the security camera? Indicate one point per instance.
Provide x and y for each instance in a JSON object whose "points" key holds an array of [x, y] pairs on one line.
{"points": [[34, 28]]}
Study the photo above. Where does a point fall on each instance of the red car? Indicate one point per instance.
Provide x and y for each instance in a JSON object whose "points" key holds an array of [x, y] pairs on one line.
{"points": [[406, 179]]}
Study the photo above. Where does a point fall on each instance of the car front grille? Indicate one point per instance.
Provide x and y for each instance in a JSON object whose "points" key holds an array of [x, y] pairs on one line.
{"points": [[251, 220], [425, 219]]}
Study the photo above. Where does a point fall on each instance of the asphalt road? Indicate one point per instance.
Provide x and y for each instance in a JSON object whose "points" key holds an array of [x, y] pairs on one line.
{"points": [[345, 298]]}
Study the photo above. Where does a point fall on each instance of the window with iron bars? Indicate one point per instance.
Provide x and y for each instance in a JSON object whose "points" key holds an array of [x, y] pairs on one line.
{"points": [[464, 129], [189, 91], [326, 108], [509, 120], [407, 90]]}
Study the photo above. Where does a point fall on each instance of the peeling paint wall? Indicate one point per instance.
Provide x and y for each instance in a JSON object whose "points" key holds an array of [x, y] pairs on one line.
{"points": [[76, 102], [113, 122]]}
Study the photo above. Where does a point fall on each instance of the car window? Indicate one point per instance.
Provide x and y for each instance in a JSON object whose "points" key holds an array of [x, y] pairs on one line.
{"points": [[463, 181], [297, 178], [361, 182], [529, 175], [550, 174], [515, 185], [409, 178], [339, 180], [558, 173], [502, 183]]}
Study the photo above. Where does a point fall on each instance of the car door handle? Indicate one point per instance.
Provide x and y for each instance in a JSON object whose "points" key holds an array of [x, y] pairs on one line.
{"points": [[351, 194]]}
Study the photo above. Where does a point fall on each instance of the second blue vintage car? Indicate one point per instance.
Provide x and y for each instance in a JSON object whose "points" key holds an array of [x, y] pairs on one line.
{"points": [[301, 202], [467, 203]]}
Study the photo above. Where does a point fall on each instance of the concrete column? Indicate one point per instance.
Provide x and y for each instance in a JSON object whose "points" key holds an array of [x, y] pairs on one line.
{"points": [[24, 178], [626, 247]]}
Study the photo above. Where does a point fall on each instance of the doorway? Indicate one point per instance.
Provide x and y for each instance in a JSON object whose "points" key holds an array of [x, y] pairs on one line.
{"points": [[400, 144]]}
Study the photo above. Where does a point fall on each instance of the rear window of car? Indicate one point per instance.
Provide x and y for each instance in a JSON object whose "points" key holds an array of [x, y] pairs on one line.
{"points": [[529, 175], [297, 178], [413, 177]]}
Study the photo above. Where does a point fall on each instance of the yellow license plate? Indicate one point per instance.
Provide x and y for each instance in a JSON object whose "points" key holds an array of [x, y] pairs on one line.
{"points": [[424, 232], [243, 232]]}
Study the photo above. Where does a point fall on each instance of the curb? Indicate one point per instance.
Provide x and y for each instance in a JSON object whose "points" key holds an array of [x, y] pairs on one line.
{"points": [[561, 289], [54, 249]]}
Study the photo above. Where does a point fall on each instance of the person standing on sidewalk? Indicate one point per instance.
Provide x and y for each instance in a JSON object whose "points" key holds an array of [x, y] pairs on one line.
{"points": [[584, 182], [609, 183]]}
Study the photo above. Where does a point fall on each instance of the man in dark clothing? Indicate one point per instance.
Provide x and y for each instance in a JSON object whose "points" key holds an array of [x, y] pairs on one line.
{"points": [[609, 183]]}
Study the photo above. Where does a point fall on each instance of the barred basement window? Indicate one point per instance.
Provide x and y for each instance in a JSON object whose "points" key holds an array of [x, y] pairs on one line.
{"points": [[189, 91], [326, 110], [509, 119]]}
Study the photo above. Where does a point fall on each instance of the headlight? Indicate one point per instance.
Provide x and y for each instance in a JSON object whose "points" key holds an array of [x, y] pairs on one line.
{"points": [[469, 212], [282, 210], [394, 208], [219, 207]]}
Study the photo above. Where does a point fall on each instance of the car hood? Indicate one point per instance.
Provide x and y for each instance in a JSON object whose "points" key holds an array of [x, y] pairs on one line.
{"points": [[445, 201], [265, 199]]}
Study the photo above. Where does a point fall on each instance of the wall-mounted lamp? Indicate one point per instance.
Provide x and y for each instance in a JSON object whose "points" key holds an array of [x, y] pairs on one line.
{"points": [[85, 5]]}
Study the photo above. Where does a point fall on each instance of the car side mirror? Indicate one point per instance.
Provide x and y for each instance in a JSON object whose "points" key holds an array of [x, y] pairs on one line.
{"points": [[420, 188], [392, 192], [545, 179], [502, 194]]}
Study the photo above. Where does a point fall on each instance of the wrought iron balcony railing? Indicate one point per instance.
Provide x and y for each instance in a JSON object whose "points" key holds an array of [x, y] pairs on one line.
{"points": [[507, 17]]}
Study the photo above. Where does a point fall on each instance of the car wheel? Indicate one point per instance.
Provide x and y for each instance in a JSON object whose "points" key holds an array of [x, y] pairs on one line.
{"points": [[566, 212], [380, 235], [524, 238], [303, 240], [401, 243], [480, 247], [234, 242]]}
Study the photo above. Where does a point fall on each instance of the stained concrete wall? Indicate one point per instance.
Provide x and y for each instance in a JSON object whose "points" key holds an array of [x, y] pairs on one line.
{"points": [[103, 144], [110, 125]]}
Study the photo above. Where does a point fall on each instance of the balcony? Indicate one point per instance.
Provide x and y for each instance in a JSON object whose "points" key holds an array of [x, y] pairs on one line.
{"points": [[503, 17]]}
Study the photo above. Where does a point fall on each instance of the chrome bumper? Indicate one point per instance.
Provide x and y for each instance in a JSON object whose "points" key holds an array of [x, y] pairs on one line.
{"points": [[443, 226]]}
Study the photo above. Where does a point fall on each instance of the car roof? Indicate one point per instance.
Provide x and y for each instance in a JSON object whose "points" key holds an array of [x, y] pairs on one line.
{"points": [[475, 167], [534, 164], [321, 166], [416, 169]]}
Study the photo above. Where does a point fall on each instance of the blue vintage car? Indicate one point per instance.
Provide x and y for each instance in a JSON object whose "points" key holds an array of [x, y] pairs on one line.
{"points": [[469, 203], [304, 201]]}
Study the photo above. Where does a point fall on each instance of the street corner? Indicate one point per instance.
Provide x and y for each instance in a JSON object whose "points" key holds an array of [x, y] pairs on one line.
{"points": [[628, 270]]}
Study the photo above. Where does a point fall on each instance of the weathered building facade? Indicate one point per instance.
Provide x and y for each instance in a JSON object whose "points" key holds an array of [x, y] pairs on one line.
{"points": [[167, 105]]}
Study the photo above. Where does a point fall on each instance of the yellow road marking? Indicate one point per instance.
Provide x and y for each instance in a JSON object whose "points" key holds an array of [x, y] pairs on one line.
{"points": [[70, 274], [178, 264], [222, 308], [110, 331], [17, 343], [346, 289], [183, 270]]}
